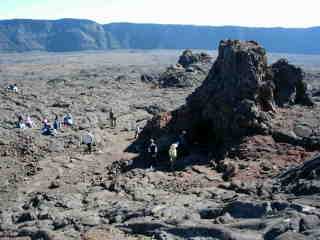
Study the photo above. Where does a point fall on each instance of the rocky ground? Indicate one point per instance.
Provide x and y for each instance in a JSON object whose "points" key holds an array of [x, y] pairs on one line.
{"points": [[50, 188]]}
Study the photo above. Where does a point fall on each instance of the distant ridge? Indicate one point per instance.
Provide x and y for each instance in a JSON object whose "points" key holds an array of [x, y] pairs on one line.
{"points": [[20, 35]]}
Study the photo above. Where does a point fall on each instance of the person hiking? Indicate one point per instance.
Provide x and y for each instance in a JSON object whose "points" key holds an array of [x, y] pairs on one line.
{"points": [[48, 130], [173, 155], [20, 122], [13, 88], [153, 151], [56, 123], [29, 122], [88, 139], [113, 119], [68, 120]]}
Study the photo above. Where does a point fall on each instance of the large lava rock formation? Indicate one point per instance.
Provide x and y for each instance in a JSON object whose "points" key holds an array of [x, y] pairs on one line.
{"points": [[239, 96]]}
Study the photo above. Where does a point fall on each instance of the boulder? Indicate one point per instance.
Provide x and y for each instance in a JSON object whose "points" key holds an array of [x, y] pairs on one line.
{"points": [[290, 87], [247, 209], [188, 57], [303, 179], [182, 78]]}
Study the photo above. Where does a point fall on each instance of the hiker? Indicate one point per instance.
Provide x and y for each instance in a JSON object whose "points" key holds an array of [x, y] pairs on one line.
{"points": [[48, 130], [153, 151], [68, 120], [173, 155], [137, 132], [56, 123], [88, 139], [29, 122], [20, 122], [113, 119], [13, 88]]}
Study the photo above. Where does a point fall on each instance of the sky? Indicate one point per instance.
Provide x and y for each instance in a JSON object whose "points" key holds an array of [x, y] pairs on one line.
{"points": [[251, 13]]}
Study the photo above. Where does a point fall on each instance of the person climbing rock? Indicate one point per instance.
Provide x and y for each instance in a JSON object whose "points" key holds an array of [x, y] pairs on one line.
{"points": [[173, 155], [113, 119], [88, 139], [153, 151]]}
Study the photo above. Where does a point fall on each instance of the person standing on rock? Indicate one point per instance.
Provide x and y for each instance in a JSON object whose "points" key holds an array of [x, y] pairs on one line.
{"points": [[152, 151], [113, 119]]}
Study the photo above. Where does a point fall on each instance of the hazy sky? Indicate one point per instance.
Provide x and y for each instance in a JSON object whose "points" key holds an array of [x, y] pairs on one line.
{"points": [[284, 13]]}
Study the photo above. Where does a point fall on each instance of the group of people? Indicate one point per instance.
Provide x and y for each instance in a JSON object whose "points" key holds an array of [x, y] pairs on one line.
{"points": [[47, 128], [13, 88], [52, 129], [178, 148], [24, 123]]}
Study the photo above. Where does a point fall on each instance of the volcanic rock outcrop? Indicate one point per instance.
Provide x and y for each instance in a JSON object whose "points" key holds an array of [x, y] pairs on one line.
{"points": [[190, 71], [289, 85], [239, 97], [188, 57], [304, 179]]}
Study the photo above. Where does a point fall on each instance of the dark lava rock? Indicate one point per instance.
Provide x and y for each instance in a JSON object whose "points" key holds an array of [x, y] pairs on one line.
{"points": [[191, 70], [24, 217], [150, 78], [240, 209], [54, 184], [180, 77], [309, 222], [238, 98], [303, 179], [280, 228], [289, 84], [188, 57], [227, 100], [226, 104]]}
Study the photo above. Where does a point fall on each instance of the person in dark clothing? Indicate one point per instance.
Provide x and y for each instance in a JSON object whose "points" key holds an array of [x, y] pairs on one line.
{"points": [[56, 123], [20, 123], [48, 130], [113, 119], [152, 151]]}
